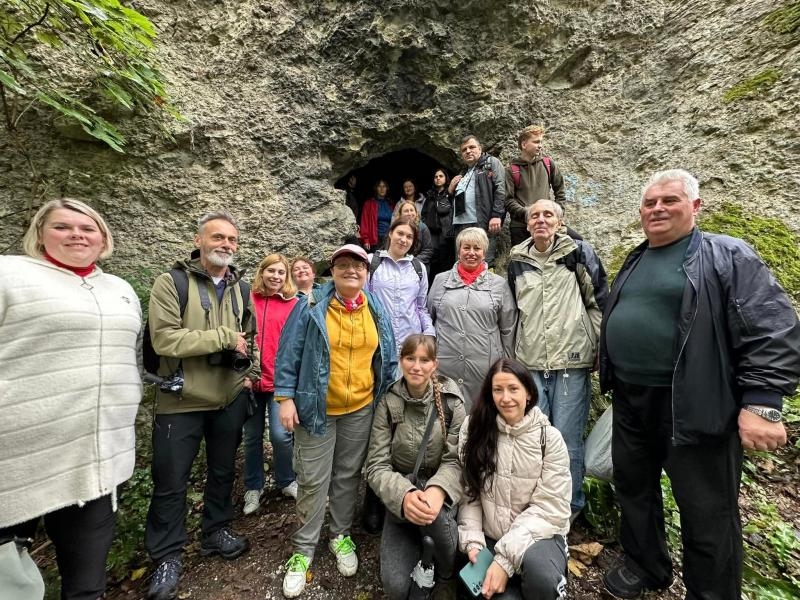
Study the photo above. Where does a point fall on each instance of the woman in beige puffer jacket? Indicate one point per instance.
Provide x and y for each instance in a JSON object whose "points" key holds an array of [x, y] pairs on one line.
{"points": [[515, 469]]}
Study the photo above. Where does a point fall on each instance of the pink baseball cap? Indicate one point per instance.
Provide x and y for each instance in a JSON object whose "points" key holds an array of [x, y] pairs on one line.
{"points": [[356, 251]]}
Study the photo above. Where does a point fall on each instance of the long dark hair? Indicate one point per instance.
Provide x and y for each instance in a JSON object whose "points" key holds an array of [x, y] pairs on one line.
{"points": [[479, 455]]}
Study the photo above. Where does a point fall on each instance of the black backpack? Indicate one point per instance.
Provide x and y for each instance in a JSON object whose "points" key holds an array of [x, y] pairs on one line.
{"points": [[377, 260], [180, 277]]}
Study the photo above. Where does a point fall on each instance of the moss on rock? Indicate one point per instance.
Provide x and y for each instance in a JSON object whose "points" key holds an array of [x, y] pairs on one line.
{"points": [[784, 20], [752, 86], [771, 238]]}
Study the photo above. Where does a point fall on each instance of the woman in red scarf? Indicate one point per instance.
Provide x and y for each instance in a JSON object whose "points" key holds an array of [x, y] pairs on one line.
{"points": [[474, 314]]}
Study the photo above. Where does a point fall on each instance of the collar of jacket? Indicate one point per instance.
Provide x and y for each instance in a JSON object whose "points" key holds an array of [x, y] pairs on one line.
{"points": [[193, 266], [454, 279], [532, 419], [691, 250], [562, 245]]}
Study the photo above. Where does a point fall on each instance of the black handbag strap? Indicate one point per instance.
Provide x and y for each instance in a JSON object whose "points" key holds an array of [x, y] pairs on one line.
{"points": [[425, 438]]}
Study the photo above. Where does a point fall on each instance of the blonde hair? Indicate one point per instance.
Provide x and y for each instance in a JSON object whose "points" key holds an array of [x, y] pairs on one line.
{"points": [[32, 244], [528, 132], [398, 208], [428, 342], [288, 288], [473, 235]]}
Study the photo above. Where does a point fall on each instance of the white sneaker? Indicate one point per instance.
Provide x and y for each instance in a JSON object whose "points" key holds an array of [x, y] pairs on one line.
{"points": [[344, 550], [290, 491], [251, 501], [294, 582]]}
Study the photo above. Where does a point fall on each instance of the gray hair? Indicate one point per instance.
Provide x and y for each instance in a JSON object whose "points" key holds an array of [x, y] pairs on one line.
{"points": [[32, 241], [556, 208], [213, 216], [691, 188], [473, 235]]}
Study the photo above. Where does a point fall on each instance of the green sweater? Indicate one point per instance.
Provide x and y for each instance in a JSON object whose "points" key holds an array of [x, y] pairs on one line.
{"points": [[642, 328]]}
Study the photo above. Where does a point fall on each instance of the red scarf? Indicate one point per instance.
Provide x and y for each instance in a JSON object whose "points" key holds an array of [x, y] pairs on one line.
{"points": [[350, 305], [469, 277], [79, 271]]}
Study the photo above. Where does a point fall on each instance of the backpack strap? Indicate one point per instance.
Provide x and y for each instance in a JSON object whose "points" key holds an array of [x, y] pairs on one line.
{"points": [[516, 176], [373, 266], [548, 165], [417, 267], [181, 280]]}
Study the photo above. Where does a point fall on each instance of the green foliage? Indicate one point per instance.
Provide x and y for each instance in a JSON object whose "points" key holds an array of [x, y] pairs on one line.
{"points": [[128, 546], [784, 20], [53, 51], [672, 518], [601, 510], [772, 554], [752, 86], [771, 238]]}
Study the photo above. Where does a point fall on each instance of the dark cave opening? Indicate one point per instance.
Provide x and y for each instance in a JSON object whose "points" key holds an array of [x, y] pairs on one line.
{"points": [[394, 168]]}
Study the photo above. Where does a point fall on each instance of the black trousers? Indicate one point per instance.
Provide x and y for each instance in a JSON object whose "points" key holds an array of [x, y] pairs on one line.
{"points": [[82, 537], [176, 442], [705, 483]]}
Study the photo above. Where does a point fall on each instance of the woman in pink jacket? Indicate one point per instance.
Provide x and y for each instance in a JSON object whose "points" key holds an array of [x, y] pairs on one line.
{"points": [[273, 300]]}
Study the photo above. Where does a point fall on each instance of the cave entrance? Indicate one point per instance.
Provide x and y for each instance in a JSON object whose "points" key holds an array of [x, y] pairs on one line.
{"points": [[394, 168]]}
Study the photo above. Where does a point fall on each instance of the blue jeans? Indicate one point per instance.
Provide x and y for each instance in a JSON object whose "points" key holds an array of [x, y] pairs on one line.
{"points": [[564, 397], [282, 445]]}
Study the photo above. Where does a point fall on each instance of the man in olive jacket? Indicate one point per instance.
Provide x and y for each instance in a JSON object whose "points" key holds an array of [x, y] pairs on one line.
{"points": [[200, 344], [699, 344]]}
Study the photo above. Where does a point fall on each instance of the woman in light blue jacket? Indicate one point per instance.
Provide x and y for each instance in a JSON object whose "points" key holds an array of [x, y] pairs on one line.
{"points": [[400, 282]]}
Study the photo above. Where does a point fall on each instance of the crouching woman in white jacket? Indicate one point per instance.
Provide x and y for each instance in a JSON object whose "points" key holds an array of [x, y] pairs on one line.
{"points": [[515, 469]]}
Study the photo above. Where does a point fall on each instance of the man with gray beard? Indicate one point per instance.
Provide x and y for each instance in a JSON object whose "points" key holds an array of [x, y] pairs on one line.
{"points": [[202, 328]]}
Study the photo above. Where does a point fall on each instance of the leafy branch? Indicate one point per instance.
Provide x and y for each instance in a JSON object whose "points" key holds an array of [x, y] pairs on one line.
{"points": [[81, 58]]}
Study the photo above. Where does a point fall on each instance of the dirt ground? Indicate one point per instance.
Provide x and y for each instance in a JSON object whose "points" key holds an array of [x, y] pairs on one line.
{"points": [[258, 575]]}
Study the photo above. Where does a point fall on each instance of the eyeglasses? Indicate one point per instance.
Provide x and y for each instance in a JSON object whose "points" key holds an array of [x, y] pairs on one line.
{"points": [[344, 265]]}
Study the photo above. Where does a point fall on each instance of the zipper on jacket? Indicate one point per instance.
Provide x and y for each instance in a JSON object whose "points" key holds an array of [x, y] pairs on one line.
{"points": [[680, 352], [740, 312]]}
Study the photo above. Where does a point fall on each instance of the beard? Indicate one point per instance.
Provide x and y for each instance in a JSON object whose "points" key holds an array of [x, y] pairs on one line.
{"points": [[219, 259]]}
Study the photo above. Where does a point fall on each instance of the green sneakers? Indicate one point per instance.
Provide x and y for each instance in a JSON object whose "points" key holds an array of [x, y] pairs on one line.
{"points": [[344, 550], [294, 582]]}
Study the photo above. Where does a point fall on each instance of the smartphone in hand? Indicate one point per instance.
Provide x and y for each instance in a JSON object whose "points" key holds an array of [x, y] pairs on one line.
{"points": [[473, 574]]}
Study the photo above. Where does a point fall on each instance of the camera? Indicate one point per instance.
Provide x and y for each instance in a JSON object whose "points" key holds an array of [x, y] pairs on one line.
{"points": [[172, 384], [230, 359]]}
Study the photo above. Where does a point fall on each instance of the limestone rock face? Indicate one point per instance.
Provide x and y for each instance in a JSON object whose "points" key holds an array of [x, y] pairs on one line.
{"points": [[284, 98]]}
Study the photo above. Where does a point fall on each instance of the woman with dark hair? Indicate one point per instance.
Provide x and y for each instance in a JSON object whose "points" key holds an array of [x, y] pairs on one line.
{"points": [[423, 503], [273, 299], [376, 216], [517, 487], [437, 214]]}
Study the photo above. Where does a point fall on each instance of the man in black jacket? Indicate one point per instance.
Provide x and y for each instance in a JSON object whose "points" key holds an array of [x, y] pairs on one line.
{"points": [[479, 193], [699, 344]]}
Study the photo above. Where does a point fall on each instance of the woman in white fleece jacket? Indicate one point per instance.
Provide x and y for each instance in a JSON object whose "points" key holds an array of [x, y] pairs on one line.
{"points": [[69, 391], [517, 485]]}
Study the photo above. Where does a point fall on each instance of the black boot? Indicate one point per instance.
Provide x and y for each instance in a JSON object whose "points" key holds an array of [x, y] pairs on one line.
{"points": [[372, 512], [422, 575]]}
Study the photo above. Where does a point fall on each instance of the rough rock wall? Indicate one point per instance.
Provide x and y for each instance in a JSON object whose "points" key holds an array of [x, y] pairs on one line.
{"points": [[283, 98]]}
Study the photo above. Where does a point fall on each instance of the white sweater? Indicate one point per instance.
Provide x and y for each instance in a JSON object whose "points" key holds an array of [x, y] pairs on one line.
{"points": [[69, 386]]}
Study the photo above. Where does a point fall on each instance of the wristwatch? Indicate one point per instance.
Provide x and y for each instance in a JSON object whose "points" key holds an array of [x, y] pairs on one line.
{"points": [[770, 414]]}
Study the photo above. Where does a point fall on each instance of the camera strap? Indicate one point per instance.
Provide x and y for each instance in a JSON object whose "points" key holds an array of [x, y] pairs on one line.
{"points": [[425, 439]]}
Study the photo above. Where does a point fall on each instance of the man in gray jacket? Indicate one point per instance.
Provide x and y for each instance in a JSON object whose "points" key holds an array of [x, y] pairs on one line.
{"points": [[699, 345], [560, 289]]}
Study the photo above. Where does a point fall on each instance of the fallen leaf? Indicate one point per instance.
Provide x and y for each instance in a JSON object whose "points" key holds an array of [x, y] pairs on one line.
{"points": [[137, 573], [575, 567], [586, 553]]}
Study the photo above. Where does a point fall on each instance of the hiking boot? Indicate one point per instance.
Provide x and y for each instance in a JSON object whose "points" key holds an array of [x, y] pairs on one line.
{"points": [[344, 550], [164, 584], [622, 582], [252, 498], [225, 543], [290, 491], [294, 582]]}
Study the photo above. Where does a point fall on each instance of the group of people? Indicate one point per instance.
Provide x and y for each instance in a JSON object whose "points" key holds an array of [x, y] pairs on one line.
{"points": [[464, 404]]}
